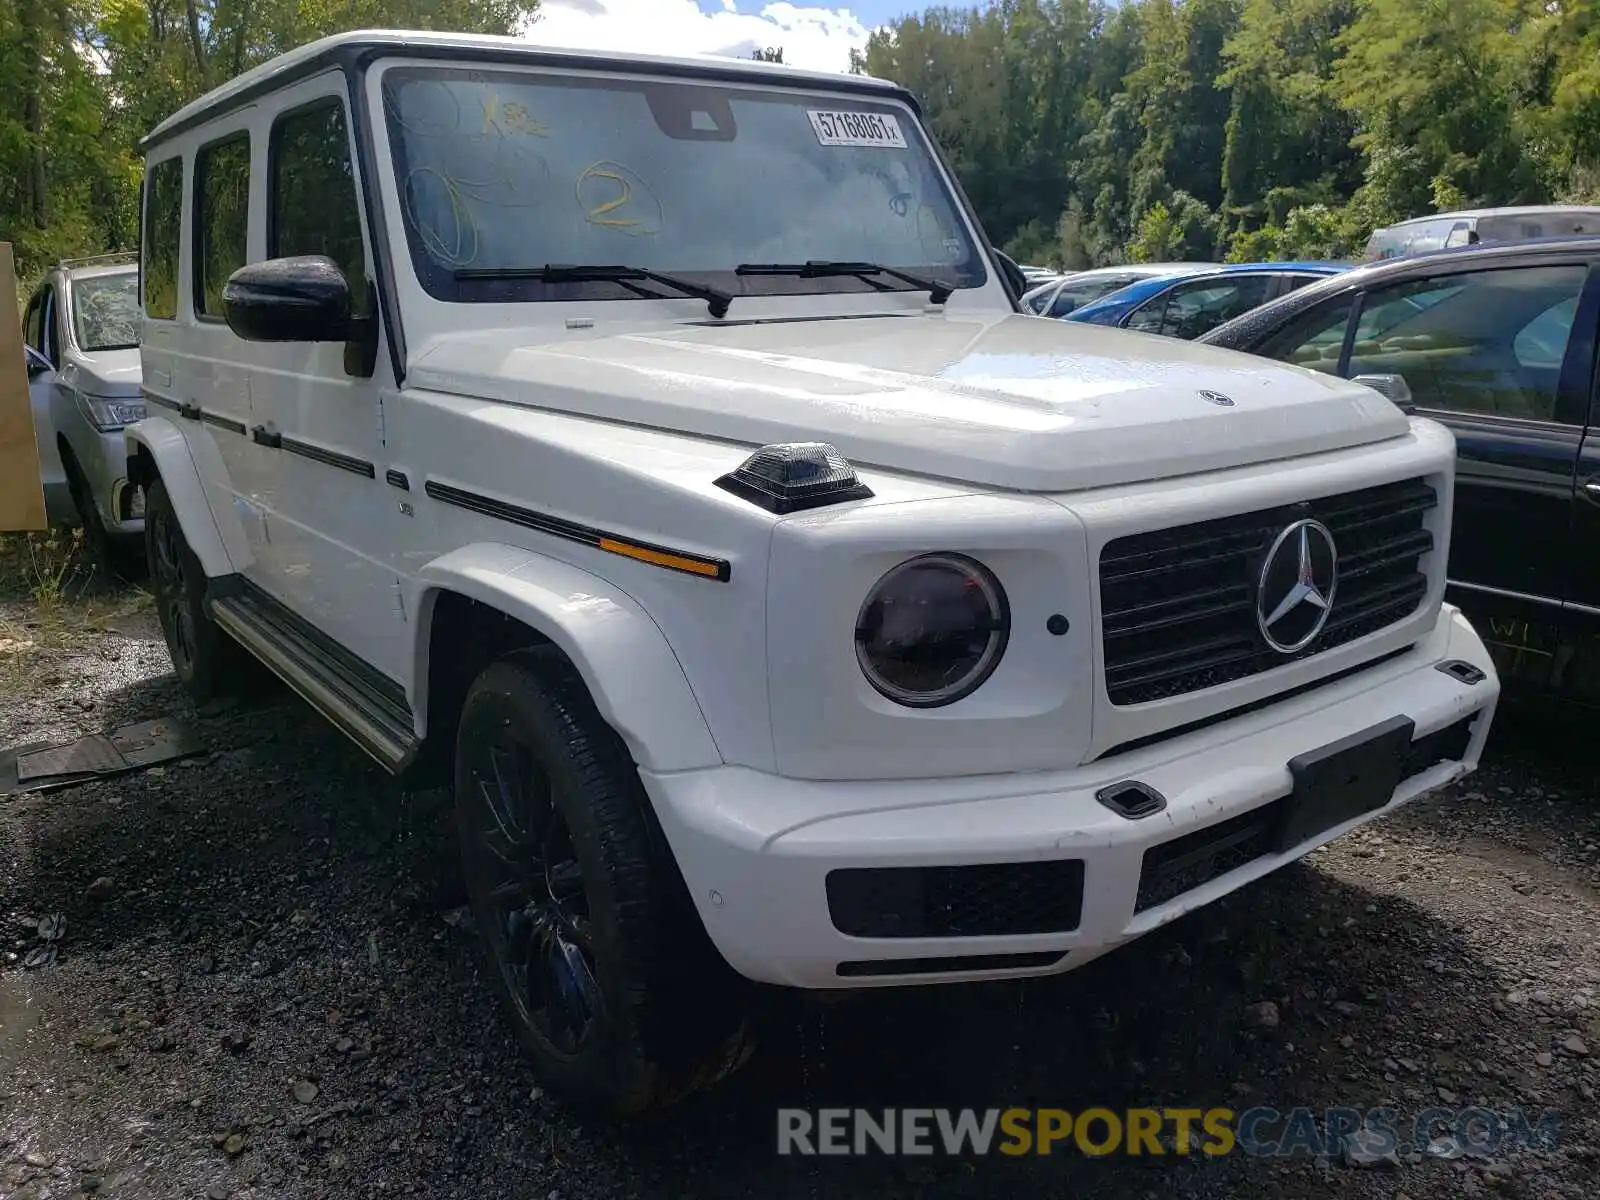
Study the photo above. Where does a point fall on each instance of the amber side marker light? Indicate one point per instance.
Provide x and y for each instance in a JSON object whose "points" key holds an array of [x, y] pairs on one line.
{"points": [[666, 558]]}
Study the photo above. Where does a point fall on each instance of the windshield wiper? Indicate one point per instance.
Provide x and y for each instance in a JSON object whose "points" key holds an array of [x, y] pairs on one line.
{"points": [[819, 268], [716, 299]]}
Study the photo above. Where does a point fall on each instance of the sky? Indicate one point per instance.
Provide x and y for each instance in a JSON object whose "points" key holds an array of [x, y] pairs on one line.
{"points": [[818, 36]]}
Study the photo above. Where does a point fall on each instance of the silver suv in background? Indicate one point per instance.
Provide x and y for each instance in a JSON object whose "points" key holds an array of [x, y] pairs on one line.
{"points": [[82, 329]]}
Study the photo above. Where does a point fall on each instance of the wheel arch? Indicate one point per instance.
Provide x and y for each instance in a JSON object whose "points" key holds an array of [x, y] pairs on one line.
{"points": [[157, 450], [483, 601]]}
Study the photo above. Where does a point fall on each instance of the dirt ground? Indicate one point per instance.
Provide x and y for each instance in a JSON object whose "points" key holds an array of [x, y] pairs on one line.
{"points": [[265, 988]]}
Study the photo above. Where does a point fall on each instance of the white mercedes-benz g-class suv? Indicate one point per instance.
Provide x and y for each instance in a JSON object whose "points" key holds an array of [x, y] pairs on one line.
{"points": [[656, 447]]}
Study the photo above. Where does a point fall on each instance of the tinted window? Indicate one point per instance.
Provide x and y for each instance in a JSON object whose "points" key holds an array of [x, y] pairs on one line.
{"points": [[1075, 295], [1294, 283], [105, 312], [314, 205], [1385, 243], [1199, 307], [1147, 317], [1542, 342], [49, 342], [163, 223], [1314, 339], [222, 208], [1427, 235], [1490, 342], [33, 323]]}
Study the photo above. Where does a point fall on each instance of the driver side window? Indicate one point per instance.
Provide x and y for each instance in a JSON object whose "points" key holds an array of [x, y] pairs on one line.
{"points": [[33, 322], [41, 333]]}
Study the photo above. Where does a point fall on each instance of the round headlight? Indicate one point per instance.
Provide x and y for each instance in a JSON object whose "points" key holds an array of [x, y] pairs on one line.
{"points": [[932, 630]]}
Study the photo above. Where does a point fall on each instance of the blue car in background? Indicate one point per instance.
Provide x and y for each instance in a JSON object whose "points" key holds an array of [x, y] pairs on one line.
{"points": [[1190, 303]]}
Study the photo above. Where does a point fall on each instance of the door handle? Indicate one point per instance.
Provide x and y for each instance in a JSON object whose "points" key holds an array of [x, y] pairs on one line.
{"points": [[1591, 489]]}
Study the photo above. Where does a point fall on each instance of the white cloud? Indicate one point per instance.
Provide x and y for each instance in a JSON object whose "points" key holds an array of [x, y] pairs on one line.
{"points": [[811, 36]]}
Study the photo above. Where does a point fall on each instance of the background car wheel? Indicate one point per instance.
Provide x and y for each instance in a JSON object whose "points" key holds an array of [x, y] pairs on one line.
{"points": [[610, 981], [124, 557], [208, 662]]}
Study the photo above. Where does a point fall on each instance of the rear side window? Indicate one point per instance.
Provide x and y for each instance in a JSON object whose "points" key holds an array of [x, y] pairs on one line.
{"points": [[163, 230], [221, 219], [1315, 339], [314, 207]]}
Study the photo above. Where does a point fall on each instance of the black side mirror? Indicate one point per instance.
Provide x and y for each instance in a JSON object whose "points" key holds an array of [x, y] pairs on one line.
{"points": [[300, 299], [1015, 279], [38, 364]]}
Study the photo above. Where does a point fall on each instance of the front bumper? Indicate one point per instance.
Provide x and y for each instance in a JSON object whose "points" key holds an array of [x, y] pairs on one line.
{"points": [[756, 850], [103, 458]]}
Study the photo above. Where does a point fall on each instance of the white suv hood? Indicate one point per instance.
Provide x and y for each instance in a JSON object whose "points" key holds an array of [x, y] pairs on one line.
{"points": [[1001, 401]]}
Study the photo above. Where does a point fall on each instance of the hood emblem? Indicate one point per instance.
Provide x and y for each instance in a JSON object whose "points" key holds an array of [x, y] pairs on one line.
{"points": [[1294, 595], [1216, 398]]}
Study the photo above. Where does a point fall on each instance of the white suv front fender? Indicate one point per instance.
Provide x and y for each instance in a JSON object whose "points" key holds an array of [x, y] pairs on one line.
{"points": [[624, 658], [164, 444]]}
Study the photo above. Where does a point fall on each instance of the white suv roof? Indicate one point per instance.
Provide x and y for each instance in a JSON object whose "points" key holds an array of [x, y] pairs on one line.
{"points": [[330, 50]]}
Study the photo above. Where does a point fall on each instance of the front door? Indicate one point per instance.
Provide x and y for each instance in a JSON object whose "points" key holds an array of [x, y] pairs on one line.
{"points": [[316, 414]]}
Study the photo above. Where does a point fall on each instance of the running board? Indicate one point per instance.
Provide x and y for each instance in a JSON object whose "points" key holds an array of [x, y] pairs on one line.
{"points": [[367, 707]]}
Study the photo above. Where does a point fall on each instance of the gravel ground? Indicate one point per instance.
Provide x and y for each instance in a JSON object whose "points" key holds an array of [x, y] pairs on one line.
{"points": [[264, 989]]}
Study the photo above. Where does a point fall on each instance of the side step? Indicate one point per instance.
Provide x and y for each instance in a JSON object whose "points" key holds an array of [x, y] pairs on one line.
{"points": [[367, 707]]}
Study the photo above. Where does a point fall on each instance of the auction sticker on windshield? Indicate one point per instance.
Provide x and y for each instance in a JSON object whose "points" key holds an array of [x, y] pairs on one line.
{"points": [[857, 129]]}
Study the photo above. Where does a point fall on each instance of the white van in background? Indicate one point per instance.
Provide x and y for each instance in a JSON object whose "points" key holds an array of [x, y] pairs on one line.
{"points": [[1471, 226]]}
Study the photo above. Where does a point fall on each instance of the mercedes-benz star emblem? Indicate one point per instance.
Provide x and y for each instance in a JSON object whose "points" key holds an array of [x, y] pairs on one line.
{"points": [[1295, 592], [1216, 398]]}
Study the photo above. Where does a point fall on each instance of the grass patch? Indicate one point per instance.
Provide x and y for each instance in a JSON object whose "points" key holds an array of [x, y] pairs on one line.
{"points": [[50, 568], [55, 599]]}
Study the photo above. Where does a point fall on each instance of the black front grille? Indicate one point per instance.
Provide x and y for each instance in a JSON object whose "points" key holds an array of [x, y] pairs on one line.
{"points": [[986, 900], [1178, 605]]}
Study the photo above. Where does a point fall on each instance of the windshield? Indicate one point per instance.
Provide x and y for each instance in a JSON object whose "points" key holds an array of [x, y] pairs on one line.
{"points": [[512, 169], [105, 312]]}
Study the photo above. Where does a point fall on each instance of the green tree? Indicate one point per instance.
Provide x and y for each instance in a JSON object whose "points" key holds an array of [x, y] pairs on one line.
{"points": [[81, 81]]}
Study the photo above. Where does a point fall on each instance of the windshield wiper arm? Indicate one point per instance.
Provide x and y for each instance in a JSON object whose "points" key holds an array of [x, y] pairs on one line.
{"points": [[820, 268], [716, 299]]}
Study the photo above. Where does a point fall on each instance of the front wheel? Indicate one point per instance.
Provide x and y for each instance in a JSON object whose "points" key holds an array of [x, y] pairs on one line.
{"points": [[207, 661], [123, 555], [610, 982]]}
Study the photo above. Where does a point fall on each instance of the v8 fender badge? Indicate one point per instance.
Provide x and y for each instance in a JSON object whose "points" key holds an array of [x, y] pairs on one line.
{"points": [[1216, 398]]}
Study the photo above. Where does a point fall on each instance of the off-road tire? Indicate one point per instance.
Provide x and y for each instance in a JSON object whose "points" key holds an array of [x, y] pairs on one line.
{"points": [[674, 1016], [208, 662]]}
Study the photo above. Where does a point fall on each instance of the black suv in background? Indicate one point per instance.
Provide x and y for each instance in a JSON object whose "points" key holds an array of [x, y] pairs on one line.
{"points": [[1499, 343]]}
